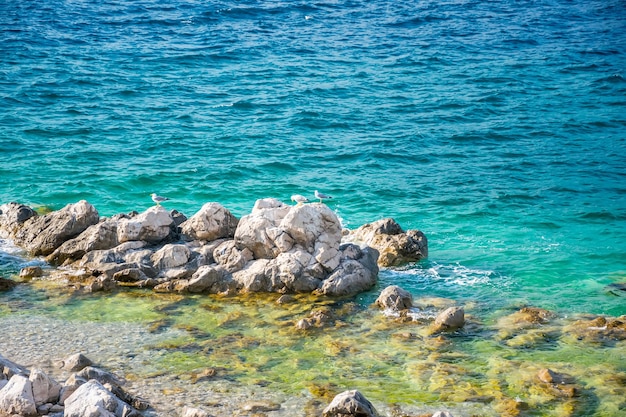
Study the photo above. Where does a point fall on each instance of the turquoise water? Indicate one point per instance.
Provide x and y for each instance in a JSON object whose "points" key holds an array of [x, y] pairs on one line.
{"points": [[497, 128]]}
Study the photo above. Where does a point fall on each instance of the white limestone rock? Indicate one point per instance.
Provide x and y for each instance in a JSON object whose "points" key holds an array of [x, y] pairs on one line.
{"points": [[152, 226], [45, 389], [16, 397], [171, 256], [92, 399], [212, 222], [350, 404]]}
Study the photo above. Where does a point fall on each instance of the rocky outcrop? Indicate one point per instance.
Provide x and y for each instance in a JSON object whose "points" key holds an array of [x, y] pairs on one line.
{"points": [[298, 249], [395, 246], [350, 404], [275, 248], [41, 235]]}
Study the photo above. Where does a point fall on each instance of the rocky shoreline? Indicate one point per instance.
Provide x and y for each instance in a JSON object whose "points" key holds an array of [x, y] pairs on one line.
{"points": [[276, 248], [300, 253]]}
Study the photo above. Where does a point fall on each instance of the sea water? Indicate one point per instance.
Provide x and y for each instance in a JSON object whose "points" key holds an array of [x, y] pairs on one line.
{"points": [[497, 128]]}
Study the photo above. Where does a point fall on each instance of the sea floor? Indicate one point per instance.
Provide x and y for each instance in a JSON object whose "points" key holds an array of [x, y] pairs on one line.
{"points": [[244, 355]]}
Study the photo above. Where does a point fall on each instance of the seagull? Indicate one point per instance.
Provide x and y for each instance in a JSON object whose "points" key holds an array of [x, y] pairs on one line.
{"points": [[158, 199], [321, 196], [299, 199]]}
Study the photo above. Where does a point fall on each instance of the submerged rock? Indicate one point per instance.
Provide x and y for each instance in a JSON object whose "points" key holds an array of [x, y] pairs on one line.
{"points": [[451, 318], [193, 412], [7, 284], [601, 330]]}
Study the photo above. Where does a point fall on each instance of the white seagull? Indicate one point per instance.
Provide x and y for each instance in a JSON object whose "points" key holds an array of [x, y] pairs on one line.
{"points": [[321, 196], [300, 199], [158, 199]]}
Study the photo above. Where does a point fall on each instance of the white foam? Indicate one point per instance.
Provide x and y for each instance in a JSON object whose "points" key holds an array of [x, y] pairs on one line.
{"points": [[417, 314], [453, 274]]}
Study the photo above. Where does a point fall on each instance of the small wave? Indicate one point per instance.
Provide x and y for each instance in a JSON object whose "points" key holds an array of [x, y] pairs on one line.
{"points": [[13, 258], [598, 215], [515, 41], [611, 79], [417, 21]]}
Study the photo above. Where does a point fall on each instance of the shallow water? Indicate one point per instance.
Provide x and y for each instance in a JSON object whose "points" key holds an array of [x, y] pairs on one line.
{"points": [[251, 343], [496, 128]]}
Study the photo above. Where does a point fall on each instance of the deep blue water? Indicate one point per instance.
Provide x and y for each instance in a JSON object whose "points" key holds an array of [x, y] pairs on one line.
{"points": [[498, 128]]}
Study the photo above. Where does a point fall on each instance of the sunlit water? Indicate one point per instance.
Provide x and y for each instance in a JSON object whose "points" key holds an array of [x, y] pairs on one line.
{"points": [[497, 128]]}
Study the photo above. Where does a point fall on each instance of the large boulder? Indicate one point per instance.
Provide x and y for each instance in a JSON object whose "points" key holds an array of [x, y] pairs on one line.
{"points": [[17, 397], [301, 246], [451, 318], [212, 222], [317, 229], [395, 246], [171, 256], [291, 273], [96, 237], [41, 235], [12, 216], [350, 404], [92, 399], [395, 298], [153, 225], [254, 277], [259, 231], [208, 279], [353, 275], [230, 257], [45, 389]]}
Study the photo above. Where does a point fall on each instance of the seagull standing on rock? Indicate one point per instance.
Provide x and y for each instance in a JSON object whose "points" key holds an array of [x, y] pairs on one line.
{"points": [[321, 196], [158, 199], [300, 199]]}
